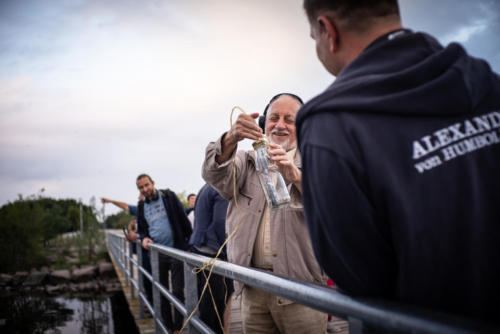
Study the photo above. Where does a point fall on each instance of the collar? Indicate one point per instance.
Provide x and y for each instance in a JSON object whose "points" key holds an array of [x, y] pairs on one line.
{"points": [[389, 37]]}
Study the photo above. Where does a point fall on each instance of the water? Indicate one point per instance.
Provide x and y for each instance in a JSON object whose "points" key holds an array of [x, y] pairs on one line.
{"points": [[31, 313]]}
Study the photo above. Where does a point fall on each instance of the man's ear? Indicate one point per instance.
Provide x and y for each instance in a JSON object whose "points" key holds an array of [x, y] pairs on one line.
{"points": [[328, 31]]}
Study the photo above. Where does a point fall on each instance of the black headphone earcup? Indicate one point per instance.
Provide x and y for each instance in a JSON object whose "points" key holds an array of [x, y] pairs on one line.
{"points": [[262, 123]]}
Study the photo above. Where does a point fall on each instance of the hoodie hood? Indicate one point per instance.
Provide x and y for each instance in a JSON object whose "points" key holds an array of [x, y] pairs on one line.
{"points": [[407, 75]]}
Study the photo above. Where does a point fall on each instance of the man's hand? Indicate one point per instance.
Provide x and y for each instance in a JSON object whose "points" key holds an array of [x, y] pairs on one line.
{"points": [[105, 200], [145, 243], [132, 226], [285, 165], [244, 127], [132, 236]]}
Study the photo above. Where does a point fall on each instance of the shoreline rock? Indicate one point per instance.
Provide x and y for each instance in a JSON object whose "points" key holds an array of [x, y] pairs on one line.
{"points": [[98, 278]]}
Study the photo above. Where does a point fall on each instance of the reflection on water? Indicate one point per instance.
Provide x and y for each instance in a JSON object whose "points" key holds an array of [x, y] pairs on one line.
{"points": [[29, 313]]}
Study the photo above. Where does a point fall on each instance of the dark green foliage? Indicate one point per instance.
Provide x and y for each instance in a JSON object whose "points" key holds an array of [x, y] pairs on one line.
{"points": [[21, 238], [183, 198], [28, 224]]}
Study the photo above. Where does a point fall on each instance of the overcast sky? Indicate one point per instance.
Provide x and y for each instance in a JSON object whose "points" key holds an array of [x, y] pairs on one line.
{"points": [[93, 93]]}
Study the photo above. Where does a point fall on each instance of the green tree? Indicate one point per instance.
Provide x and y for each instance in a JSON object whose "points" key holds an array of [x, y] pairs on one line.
{"points": [[29, 223], [73, 215], [183, 198], [21, 238]]}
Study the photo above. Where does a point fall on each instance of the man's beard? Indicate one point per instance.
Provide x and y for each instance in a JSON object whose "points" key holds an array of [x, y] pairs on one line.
{"points": [[151, 194], [286, 145]]}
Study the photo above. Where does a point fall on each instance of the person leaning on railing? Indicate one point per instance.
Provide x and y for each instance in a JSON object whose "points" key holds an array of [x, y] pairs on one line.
{"points": [[161, 219], [208, 236], [273, 240]]}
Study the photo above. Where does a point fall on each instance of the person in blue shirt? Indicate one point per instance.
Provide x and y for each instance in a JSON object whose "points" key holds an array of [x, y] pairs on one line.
{"points": [[208, 236], [161, 219]]}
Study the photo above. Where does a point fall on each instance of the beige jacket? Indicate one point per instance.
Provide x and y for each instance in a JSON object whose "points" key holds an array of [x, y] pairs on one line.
{"points": [[290, 243]]}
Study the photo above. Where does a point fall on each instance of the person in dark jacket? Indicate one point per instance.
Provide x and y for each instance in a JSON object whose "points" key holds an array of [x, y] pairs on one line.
{"points": [[401, 157], [161, 219], [208, 236], [191, 199]]}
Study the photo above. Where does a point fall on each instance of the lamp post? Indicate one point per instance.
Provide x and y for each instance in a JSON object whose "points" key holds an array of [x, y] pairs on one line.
{"points": [[81, 217]]}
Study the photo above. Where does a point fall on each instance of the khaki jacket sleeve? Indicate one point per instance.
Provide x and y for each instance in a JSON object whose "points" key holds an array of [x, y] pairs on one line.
{"points": [[220, 176]]}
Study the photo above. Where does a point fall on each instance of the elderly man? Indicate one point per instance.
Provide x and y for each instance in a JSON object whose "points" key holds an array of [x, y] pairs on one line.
{"points": [[401, 158], [274, 240]]}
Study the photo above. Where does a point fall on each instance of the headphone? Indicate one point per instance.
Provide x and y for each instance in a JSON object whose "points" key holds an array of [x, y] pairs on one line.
{"points": [[154, 198], [262, 119]]}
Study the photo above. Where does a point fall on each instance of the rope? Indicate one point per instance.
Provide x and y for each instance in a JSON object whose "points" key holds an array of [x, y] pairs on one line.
{"points": [[211, 262]]}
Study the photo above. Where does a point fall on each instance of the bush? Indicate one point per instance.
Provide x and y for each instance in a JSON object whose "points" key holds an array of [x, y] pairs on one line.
{"points": [[28, 225]]}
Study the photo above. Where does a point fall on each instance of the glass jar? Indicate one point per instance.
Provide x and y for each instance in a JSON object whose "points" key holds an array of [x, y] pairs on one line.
{"points": [[271, 180]]}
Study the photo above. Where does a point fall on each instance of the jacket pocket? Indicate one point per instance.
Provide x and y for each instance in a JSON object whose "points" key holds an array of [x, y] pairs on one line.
{"points": [[248, 193]]}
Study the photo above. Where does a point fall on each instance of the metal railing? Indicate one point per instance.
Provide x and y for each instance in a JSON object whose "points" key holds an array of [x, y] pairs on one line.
{"points": [[364, 315]]}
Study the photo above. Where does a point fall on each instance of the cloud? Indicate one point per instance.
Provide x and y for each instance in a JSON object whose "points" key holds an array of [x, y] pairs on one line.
{"points": [[463, 34], [474, 24]]}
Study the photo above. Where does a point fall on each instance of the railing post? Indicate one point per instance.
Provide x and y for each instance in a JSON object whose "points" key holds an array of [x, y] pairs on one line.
{"points": [[141, 281], [156, 292], [124, 259], [125, 262], [191, 288], [113, 247], [356, 326], [116, 246], [119, 255], [131, 268]]}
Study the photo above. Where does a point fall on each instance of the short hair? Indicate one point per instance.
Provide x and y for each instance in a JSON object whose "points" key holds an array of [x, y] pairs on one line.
{"points": [[144, 175], [190, 195], [354, 12]]}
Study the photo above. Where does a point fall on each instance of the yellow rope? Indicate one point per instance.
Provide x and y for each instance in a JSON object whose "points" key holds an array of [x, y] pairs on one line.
{"points": [[211, 262]]}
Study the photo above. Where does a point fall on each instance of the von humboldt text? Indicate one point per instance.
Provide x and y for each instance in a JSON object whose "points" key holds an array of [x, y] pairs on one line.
{"points": [[456, 140]]}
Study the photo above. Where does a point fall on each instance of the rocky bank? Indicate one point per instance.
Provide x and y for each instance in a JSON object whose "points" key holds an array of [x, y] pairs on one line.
{"points": [[84, 279]]}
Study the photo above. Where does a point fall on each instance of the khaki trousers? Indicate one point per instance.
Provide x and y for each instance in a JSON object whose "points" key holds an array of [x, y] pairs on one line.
{"points": [[261, 313]]}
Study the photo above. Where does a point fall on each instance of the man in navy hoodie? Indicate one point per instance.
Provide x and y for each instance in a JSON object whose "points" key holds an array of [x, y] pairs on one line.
{"points": [[401, 162]]}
